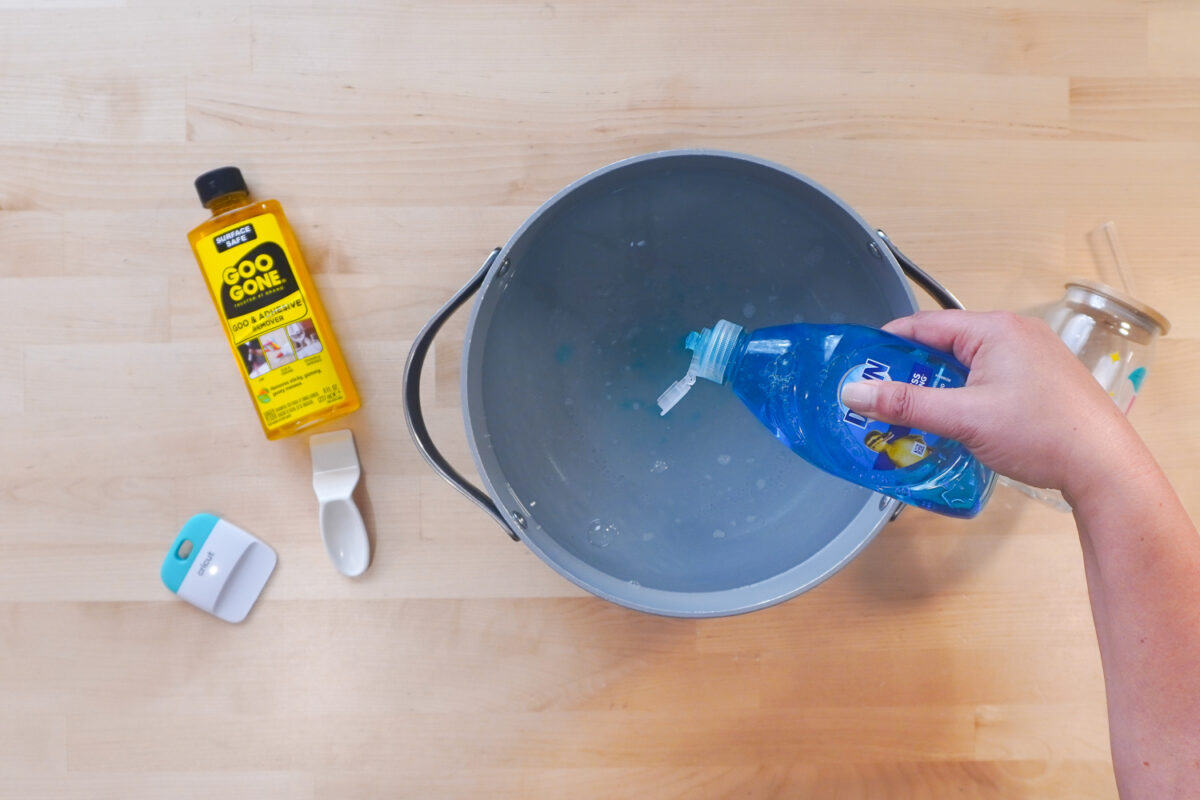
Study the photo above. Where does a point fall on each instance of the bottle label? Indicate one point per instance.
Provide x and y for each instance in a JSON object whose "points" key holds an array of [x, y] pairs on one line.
{"points": [[878, 445], [267, 315]]}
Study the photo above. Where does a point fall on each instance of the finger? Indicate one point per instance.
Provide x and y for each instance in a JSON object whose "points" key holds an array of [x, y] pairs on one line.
{"points": [[943, 412], [935, 328], [951, 331]]}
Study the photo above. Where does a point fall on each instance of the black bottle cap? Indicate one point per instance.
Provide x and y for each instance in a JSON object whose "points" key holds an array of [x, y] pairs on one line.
{"points": [[218, 183]]}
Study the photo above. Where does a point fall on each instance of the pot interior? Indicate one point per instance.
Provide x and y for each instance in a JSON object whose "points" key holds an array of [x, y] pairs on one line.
{"points": [[573, 342]]}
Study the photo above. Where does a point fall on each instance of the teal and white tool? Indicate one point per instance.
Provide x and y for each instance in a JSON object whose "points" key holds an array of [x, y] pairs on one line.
{"points": [[218, 567], [335, 474]]}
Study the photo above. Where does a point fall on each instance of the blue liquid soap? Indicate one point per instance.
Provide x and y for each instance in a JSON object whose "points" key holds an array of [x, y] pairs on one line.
{"points": [[791, 377]]}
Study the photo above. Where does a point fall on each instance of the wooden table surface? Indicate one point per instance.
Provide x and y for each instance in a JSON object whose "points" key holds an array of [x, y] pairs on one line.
{"points": [[407, 140]]}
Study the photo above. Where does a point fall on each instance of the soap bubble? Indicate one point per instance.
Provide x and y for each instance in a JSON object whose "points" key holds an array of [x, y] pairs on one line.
{"points": [[600, 534]]}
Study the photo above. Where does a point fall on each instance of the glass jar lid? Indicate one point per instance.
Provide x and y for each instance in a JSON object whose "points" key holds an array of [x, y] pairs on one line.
{"points": [[1137, 307]]}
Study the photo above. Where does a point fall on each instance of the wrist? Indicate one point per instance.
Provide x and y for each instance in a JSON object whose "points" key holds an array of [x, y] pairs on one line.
{"points": [[1111, 468]]}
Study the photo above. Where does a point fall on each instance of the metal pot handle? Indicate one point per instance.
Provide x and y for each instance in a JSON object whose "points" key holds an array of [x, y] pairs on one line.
{"points": [[920, 277], [412, 399]]}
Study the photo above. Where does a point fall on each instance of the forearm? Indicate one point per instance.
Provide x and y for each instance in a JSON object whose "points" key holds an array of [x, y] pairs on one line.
{"points": [[1142, 558], [1033, 411]]}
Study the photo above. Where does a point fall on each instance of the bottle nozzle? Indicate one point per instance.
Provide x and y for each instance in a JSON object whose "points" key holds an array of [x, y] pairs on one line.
{"points": [[675, 392], [711, 351]]}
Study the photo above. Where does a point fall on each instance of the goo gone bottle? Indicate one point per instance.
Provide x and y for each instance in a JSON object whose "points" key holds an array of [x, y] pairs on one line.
{"points": [[269, 308], [791, 378]]}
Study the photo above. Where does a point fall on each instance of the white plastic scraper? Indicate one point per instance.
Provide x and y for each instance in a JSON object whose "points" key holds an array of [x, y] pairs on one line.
{"points": [[335, 474]]}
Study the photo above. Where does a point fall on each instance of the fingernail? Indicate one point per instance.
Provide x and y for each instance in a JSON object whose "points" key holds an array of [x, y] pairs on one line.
{"points": [[859, 394]]}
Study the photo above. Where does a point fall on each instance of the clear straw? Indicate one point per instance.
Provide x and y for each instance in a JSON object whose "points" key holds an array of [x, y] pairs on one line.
{"points": [[1106, 250]]}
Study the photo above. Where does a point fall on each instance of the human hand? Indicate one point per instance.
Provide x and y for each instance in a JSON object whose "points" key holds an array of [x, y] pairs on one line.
{"points": [[1030, 409]]}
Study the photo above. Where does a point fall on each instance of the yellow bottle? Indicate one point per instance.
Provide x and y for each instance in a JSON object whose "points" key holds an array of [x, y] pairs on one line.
{"points": [[269, 308]]}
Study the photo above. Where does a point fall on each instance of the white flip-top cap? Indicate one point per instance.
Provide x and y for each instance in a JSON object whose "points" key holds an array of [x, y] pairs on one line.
{"points": [[712, 349]]}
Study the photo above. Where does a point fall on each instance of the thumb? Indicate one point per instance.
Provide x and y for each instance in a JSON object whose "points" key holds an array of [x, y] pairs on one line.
{"points": [[941, 412]]}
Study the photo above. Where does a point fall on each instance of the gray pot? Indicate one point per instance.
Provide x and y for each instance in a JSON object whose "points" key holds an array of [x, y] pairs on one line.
{"points": [[577, 329]]}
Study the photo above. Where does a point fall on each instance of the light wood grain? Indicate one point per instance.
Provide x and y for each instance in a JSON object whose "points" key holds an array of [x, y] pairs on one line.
{"points": [[407, 140]]}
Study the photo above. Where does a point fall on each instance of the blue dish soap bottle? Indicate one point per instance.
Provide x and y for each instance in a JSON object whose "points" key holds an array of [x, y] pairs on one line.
{"points": [[791, 377]]}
